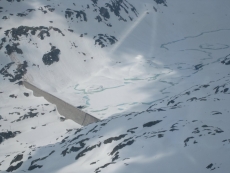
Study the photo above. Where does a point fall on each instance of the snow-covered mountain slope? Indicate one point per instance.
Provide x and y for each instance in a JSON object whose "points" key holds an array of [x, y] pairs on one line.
{"points": [[155, 72]]}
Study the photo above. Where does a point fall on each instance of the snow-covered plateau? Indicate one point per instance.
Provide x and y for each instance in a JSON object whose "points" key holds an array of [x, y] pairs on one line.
{"points": [[155, 72]]}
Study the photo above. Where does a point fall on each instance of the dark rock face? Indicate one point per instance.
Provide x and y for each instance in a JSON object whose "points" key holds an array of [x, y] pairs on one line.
{"points": [[226, 60], [51, 9], [52, 56], [104, 12], [7, 135], [13, 0], [3, 41], [104, 40], [13, 48], [152, 123], [80, 107], [161, 2], [76, 138], [117, 5], [42, 10], [75, 149], [43, 31], [221, 89], [122, 145], [26, 94], [198, 66], [17, 158], [98, 18], [32, 167], [92, 130], [13, 96], [21, 71], [104, 166], [18, 73], [21, 14], [69, 13], [26, 116], [58, 30], [109, 140], [94, 2], [83, 152], [212, 166], [209, 166], [43, 34], [16, 33], [25, 13], [122, 9], [5, 17], [13, 168]]}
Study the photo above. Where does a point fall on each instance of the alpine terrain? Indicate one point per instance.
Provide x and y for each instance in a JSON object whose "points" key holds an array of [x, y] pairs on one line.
{"points": [[154, 75]]}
